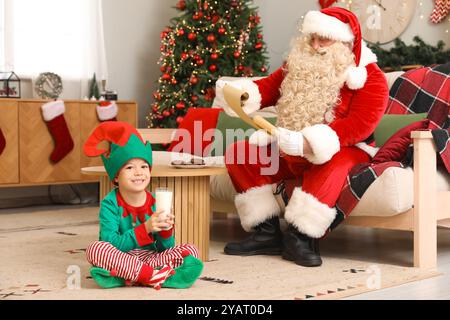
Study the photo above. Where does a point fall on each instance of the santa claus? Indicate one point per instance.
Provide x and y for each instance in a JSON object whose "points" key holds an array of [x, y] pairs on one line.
{"points": [[330, 96]]}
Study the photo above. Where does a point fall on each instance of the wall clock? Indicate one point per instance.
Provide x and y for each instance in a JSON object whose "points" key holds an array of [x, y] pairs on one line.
{"points": [[383, 21]]}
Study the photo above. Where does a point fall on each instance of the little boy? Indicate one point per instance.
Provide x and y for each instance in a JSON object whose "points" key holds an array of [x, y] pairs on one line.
{"points": [[135, 247]]}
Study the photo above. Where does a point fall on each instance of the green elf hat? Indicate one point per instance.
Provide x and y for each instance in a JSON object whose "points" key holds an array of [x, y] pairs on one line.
{"points": [[126, 144]]}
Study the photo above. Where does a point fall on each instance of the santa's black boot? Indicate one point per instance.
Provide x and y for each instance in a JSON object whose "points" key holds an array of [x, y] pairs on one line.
{"points": [[267, 239], [300, 248]]}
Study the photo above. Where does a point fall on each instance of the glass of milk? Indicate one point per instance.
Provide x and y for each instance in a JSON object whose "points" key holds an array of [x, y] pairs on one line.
{"points": [[164, 199]]}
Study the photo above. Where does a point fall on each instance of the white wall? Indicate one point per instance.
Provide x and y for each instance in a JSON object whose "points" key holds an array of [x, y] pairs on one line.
{"points": [[132, 39]]}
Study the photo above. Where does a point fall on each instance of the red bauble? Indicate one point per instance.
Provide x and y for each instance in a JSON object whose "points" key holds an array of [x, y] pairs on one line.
{"points": [[155, 108], [166, 77], [260, 36], [234, 3], [221, 30], [215, 19], [211, 38], [192, 36], [263, 69], [179, 120], [172, 111], [174, 81], [258, 46], [166, 113], [181, 5], [240, 67], [163, 35], [163, 68], [184, 56], [193, 80], [180, 105], [197, 57], [195, 16], [200, 62], [214, 56], [172, 42], [200, 15], [180, 32], [205, 6], [236, 54], [194, 98], [157, 96], [213, 68]]}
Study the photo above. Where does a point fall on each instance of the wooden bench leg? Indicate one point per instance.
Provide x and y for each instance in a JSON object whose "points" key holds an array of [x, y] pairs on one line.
{"points": [[425, 197]]}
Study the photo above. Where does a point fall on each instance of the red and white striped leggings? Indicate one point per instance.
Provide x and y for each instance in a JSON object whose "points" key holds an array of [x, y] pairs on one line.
{"points": [[128, 265]]}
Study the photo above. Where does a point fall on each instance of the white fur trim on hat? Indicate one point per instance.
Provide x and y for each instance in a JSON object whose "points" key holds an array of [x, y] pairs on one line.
{"points": [[256, 206], [327, 26], [108, 112], [357, 76], [246, 84], [324, 143], [53, 109], [308, 214]]}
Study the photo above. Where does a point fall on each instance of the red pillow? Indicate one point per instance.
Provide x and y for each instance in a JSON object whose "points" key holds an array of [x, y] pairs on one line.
{"points": [[190, 136], [394, 149]]}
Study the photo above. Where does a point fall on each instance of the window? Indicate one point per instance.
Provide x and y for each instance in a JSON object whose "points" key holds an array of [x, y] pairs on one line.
{"points": [[61, 36]]}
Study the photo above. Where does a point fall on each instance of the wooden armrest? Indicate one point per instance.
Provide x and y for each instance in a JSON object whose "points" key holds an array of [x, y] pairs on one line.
{"points": [[157, 135], [421, 134]]}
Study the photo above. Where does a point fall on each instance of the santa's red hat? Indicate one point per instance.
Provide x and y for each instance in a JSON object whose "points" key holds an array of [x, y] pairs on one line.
{"points": [[341, 25]]}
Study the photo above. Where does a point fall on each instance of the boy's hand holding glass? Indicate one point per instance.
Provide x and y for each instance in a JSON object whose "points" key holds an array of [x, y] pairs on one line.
{"points": [[159, 221]]}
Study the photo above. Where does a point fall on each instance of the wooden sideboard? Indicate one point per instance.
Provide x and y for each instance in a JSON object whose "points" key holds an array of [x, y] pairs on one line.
{"points": [[26, 158]]}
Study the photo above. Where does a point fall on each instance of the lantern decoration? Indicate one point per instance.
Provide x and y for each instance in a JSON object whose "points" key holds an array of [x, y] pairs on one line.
{"points": [[9, 85]]}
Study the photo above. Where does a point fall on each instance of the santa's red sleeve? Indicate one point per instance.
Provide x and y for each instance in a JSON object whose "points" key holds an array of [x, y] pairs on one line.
{"points": [[366, 108], [269, 88]]}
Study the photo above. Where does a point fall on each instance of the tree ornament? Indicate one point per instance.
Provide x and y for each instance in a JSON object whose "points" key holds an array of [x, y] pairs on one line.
{"points": [[213, 68], [258, 46], [192, 36], [194, 98], [259, 36], [179, 120], [264, 69], [221, 30], [174, 81], [200, 62], [236, 54], [215, 19], [240, 67], [205, 5], [211, 38], [157, 96], [180, 105], [234, 3], [166, 77], [184, 56], [200, 14], [166, 113], [181, 5], [193, 80], [180, 32], [214, 56], [197, 57]]}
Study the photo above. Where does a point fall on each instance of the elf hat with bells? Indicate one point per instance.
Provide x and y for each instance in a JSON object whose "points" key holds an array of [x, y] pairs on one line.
{"points": [[126, 144]]}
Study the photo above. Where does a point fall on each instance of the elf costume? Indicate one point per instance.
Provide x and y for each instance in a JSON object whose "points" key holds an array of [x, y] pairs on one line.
{"points": [[337, 142], [125, 253]]}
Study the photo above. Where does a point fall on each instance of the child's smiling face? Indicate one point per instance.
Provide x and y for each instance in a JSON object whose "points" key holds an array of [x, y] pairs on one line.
{"points": [[134, 176]]}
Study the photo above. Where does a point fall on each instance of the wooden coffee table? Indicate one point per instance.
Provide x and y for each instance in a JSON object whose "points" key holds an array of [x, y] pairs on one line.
{"points": [[191, 199]]}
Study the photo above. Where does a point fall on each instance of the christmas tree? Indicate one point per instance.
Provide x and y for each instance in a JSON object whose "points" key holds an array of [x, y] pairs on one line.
{"points": [[209, 39]]}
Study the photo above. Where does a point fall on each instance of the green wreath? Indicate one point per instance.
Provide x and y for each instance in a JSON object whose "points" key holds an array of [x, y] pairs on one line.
{"points": [[48, 85]]}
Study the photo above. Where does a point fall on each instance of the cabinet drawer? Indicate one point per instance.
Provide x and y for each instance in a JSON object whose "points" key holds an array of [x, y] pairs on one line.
{"points": [[9, 159], [37, 144]]}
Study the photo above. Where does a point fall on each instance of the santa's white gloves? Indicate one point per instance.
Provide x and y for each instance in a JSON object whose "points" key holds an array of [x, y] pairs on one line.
{"points": [[290, 142], [261, 138]]}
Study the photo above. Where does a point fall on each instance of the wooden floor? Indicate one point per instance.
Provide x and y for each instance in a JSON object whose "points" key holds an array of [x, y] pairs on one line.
{"points": [[377, 246]]}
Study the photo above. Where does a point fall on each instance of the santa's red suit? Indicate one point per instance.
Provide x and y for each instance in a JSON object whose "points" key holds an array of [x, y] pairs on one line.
{"points": [[336, 143]]}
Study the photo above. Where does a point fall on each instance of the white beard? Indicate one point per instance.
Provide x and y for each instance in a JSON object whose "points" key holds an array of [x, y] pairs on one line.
{"points": [[312, 85]]}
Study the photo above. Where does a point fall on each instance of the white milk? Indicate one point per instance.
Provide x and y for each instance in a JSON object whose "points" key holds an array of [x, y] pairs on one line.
{"points": [[163, 199]]}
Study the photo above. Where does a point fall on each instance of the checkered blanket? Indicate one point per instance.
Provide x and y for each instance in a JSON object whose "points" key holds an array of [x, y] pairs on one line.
{"points": [[417, 91]]}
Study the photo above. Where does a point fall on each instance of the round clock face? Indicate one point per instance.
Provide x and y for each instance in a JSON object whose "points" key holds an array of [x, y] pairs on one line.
{"points": [[383, 20]]}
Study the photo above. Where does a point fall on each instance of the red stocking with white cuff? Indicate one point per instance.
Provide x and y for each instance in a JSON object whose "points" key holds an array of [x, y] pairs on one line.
{"points": [[107, 111], [2, 142], [53, 113]]}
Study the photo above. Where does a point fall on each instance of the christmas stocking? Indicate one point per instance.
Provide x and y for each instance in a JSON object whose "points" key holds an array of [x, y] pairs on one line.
{"points": [[53, 113], [2, 142], [107, 111], [440, 11]]}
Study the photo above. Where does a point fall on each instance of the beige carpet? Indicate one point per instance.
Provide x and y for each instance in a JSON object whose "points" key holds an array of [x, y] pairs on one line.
{"points": [[41, 252]]}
